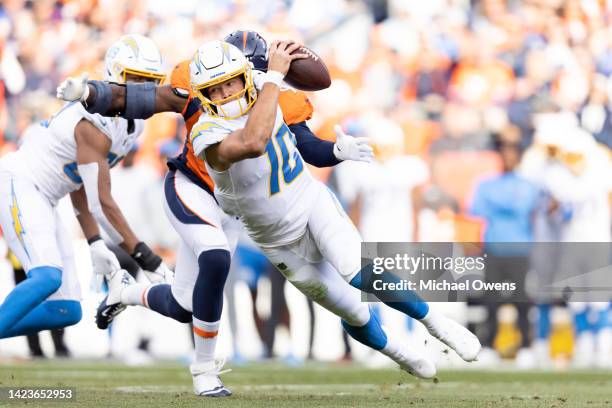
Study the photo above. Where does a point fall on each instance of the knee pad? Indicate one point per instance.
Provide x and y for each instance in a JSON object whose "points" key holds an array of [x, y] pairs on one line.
{"points": [[177, 312], [48, 278]]}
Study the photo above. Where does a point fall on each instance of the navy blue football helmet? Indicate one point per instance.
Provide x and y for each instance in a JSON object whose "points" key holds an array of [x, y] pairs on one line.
{"points": [[252, 45]]}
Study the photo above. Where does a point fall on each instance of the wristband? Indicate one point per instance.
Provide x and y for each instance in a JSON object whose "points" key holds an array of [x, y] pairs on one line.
{"points": [[274, 77], [94, 239]]}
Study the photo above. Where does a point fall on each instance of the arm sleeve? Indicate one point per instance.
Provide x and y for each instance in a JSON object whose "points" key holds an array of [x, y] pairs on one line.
{"points": [[319, 153]]}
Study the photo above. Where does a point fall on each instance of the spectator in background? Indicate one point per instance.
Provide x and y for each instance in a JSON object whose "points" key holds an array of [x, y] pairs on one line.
{"points": [[579, 186], [383, 196], [506, 204]]}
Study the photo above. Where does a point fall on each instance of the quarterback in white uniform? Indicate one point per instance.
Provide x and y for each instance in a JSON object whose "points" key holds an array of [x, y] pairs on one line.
{"points": [[260, 177], [71, 153]]}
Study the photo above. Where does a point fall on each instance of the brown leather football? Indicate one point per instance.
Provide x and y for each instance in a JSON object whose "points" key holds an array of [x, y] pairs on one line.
{"points": [[308, 74]]}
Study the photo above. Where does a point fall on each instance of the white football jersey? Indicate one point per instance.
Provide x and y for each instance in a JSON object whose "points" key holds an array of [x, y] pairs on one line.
{"points": [[48, 153], [273, 194]]}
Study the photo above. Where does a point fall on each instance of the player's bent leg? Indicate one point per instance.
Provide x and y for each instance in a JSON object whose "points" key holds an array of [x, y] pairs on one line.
{"points": [[48, 315], [41, 283], [340, 244], [328, 289], [201, 273]]}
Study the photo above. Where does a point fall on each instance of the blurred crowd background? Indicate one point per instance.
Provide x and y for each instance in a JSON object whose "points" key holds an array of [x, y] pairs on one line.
{"points": [[491, 121]]}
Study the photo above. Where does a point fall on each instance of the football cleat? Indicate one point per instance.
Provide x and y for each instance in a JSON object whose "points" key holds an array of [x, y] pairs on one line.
{"points": [[206, 381], [111, 306], [454, 335], [413, 362]]}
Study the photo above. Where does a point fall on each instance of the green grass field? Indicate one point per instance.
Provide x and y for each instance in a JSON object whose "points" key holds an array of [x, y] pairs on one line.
{"points": [[314, 385]]}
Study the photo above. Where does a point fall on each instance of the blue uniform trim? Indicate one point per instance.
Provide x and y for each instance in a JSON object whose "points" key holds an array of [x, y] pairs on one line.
{"points": [[407, 301], [178, 208], [371, 334]]}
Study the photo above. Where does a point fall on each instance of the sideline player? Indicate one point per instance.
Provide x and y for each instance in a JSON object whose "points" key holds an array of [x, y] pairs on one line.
{"points": [[208, 235], [70, 153], [259, 176]]}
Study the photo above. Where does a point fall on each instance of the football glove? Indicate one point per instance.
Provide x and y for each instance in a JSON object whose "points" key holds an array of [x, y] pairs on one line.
{"points": [[74, 89], [352, 148], [103, 260], [151, 264]]}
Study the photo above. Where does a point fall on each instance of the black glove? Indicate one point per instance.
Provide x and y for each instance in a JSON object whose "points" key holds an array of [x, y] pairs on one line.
{"points": [[145, 257]]}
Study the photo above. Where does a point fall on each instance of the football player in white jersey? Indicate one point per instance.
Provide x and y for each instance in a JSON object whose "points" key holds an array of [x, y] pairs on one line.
{"points": [[71, 153], [208, 236], [260, 177]]}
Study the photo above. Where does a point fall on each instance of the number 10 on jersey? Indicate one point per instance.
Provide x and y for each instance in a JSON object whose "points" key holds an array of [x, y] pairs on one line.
{"points": [[291, 162]]}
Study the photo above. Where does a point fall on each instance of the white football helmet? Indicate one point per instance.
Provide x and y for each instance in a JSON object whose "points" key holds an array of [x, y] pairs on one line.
{"points": [[216, 62], [135, 55]]}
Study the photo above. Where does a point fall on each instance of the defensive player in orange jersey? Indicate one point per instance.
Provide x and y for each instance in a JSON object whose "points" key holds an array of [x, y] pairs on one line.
{"points": [[209, 236]]}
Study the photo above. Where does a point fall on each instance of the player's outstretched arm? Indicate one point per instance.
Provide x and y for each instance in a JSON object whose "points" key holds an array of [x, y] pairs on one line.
{"points": [[92, 150], [252, 140], [131, 100], [322, 153], [315, 151]]}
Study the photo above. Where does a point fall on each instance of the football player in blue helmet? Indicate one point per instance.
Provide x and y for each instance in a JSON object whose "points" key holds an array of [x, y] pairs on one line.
{"points": [[252, 45]]}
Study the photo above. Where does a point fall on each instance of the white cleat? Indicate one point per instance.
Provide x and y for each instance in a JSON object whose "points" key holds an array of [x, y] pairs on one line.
{"points": [[454, 335], [206, 381], [415, 363], [111, 306]]}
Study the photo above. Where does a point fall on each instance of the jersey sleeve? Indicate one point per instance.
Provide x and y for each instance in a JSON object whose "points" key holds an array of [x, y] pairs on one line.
{"points": [[295, 106], [206, 133]]}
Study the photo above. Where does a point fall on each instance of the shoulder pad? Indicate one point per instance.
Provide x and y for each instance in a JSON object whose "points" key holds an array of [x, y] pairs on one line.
{"points": [[179, 79]]}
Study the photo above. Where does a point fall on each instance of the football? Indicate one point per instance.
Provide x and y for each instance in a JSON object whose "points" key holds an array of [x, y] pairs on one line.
{"points": [[308, 74]]}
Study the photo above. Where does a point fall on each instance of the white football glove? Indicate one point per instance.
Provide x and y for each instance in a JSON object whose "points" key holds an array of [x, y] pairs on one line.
{"points": [[162, 274], [74, 89], [103, 260], [352, 148]]}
